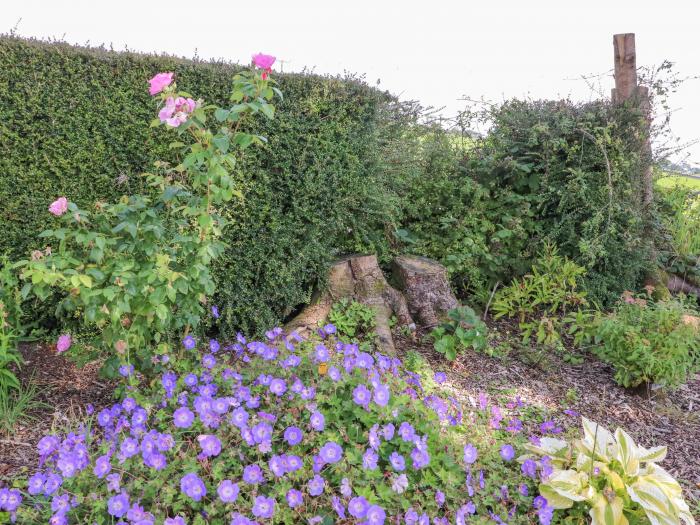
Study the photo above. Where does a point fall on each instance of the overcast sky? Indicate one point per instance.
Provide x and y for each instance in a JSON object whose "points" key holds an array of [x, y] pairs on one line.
{"points": [[436, 51]]}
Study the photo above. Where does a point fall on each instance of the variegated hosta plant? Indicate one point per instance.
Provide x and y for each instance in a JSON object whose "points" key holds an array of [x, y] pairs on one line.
{"points": [[619, 480]]}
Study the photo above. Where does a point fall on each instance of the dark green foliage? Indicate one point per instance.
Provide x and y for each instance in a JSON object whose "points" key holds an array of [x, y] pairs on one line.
{"points": [[74, 122], [539, 176]]}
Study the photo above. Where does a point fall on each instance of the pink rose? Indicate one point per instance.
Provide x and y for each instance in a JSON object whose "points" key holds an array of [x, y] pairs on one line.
{"points": [[63, 343], [160, 82], [263, 61], [176, 110], [59, 206]]}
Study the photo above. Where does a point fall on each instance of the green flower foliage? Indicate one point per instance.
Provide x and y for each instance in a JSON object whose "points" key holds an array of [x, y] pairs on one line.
{"points": [[72, 123]]}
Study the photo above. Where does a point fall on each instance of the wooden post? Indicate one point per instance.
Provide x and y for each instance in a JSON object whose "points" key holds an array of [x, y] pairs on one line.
{"points": [[628, 91]]}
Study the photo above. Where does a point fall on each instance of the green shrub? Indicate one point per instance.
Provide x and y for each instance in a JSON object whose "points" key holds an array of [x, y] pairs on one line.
{"points": [[543, 297], [648, 342], [10, 327], [463, 329], [352, 319], [71, 123]]}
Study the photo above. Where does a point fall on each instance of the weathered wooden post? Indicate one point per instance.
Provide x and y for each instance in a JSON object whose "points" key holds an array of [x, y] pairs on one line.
{"points": [[628, 91]]}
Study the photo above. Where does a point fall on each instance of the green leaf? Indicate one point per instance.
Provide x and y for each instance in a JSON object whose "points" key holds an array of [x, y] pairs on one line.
{"points": [[221, 114]]}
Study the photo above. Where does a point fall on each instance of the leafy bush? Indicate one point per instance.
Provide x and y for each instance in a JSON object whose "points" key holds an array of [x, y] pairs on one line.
{"points": [[319, 177], [463, 329], [553, 158], [648, 341], [139, 269], [543, 297], [611, 477]]}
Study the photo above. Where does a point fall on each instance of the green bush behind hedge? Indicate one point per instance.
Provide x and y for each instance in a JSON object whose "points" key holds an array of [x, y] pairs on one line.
{"points": [[74, 122]]}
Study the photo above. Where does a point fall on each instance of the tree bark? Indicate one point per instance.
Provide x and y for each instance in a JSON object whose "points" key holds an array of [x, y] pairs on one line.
{"points": [[426, 285]]}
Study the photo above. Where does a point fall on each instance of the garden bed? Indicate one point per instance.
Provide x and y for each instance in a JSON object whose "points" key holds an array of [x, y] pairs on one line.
{"points": [[588, 388]]}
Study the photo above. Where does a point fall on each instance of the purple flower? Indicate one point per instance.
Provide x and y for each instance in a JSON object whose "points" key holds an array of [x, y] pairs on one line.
{"points": [[189, 343], [316, 485], [440, 377], [388, 431], [10, 499], [375, 515], [406, 431], [398, 463], [470, 454], [47, 445], [440, 498], [399, 484], [263, 507], [357, 507], [102, 466], [211, 446], [227, 491], [529, 468], [361, 396], [104, 418], [278, 387], [345, 489], [177, 520], [507, 452], [209, 361], [369, 459], [321, 354], [214, 346], [252, 474], [215, 311], [381, 395], [318, 422], [294, 498], [118, 505], [523, 489], [331, 452], [293, 435], [420, 458], [192, 486], [329, 329], [35, 484]]}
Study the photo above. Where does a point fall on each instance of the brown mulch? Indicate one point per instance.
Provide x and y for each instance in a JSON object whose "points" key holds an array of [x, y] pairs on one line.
{"points": [[65, 389], [651, 418]]}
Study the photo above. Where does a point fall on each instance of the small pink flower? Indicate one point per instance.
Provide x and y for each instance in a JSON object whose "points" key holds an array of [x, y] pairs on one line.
{"points": [[63, 343], [160, 82], [263, 61], [59, 206]]}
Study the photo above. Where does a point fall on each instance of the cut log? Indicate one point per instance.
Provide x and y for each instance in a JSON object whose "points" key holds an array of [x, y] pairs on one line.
{"points": [[359, 278], [426, 286]]}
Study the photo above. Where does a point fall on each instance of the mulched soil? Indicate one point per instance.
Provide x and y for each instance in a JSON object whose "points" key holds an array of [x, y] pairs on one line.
{"points": [[651, 419], [66, 389]]}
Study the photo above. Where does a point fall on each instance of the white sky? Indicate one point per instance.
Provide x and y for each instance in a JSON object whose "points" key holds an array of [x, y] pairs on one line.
{"points": [[435, 51]]}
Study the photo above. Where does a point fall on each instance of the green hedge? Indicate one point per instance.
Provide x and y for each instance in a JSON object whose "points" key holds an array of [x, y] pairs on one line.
{"points": [[74, 121]]}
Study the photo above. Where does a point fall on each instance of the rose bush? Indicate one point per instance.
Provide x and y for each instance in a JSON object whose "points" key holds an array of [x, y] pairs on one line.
{"points": [[139, 270]]}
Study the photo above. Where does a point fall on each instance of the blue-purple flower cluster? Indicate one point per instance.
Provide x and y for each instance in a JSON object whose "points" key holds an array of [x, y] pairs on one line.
{"points": [[283, 429]]}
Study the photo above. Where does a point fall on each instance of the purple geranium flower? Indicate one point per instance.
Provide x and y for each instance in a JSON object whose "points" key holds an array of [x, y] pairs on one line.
{"points": [[470, 454], [263, 507], [192, 486], [118, 505], [252, 474], [318, 422], [398, 463], [227, 491], [331, 452], [189, 343], [357, 507], [294, 498], [361, 396], [293, 435], [316, 485], [507, 452], [381, 395]]}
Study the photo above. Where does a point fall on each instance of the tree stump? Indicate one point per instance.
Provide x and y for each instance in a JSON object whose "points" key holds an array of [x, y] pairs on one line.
{"points": [[359, 278], [426, 286]]}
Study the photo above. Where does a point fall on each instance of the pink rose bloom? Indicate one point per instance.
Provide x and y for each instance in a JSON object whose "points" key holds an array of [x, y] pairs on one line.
{"points": [[59, 206], [176, 111], [63, 343], [263, 61], [160, 82]]}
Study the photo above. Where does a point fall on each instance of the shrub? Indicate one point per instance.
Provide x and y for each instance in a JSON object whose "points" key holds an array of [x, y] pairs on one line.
{"points": [[463, 329], [648, 341], [352, 319], [139, 270], [543, 297], [611, 477]]}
